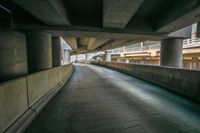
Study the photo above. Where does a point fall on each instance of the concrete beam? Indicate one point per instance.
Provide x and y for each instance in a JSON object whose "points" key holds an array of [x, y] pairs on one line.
{"points": [[95, 43], [180, 15], [51, 12], [82, 31], [85, 41], [72, 42], [182, 33], [117, 13], [118, 43]]}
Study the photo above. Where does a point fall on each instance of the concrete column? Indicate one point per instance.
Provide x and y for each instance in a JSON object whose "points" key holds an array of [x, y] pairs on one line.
{"points": [[141, 45], [39, 51], [76, 58], [13, 55], [127, 60], [122, 54], [198, 30], [66, 56], [194, 31], [56, 51], [108, 56], [171, 52], [87, 56]]}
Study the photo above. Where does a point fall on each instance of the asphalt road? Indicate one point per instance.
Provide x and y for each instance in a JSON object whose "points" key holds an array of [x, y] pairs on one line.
{"points": [[100, 100]]}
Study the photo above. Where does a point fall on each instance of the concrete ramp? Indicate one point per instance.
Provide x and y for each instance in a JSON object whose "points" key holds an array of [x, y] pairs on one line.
{"points": [[100, 100]]}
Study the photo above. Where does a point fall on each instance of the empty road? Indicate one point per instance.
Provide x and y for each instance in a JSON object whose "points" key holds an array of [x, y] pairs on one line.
{"points": [[100, 100]]}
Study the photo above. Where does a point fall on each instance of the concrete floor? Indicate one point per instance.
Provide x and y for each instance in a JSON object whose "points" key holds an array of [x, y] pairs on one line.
{"points": [[100, 100]]}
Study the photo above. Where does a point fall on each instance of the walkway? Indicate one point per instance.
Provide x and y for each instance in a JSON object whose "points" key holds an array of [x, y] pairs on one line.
{"points": [[100, 100]]}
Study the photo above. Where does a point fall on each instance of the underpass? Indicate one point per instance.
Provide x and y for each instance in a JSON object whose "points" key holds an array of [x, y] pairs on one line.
{"points": [[101, 100], [39, 38]]}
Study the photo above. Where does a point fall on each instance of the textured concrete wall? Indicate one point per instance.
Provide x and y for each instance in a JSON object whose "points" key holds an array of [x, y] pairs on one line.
{"points": [[18, 97], [39, 51], [180, 81], [13, 57]]}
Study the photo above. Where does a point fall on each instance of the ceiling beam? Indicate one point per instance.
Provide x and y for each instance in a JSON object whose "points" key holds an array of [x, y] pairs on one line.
{"points": [[182, 33], [95, 43], [117, 13], [72, 42], [81, 31], [118, 43], [180, 15], [51, 12]]}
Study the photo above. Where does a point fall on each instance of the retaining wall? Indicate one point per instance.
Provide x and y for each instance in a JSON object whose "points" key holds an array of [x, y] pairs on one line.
{"points": [[23, 98], [181, 81]]}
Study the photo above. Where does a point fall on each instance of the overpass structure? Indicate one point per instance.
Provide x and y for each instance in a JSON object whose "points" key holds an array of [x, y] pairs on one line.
{"points": [[31, 72], [150, 54]]}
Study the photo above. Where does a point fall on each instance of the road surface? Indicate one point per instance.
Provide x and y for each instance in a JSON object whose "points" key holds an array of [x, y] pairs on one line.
{"points": [[100, 100]]}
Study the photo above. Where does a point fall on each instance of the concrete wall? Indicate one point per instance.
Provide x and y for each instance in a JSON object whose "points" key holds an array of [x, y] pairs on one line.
{"points": [[181, 81], [21, 98], [13, 101], [13, 58]]}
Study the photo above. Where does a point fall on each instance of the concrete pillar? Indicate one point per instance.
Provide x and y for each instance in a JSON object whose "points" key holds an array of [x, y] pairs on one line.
{"points": [[87, 56], [122, 54], [108, 56], [171, 52], [76, 58], [194, 31], [13, 55], [141, 46], [127, 60], [66, 56], [39, 51], [198, 29], [56, 51]]}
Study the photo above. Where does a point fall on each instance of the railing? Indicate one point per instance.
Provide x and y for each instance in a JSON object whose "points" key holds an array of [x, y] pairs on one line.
{"points": [[137, 49], [187, 43]]}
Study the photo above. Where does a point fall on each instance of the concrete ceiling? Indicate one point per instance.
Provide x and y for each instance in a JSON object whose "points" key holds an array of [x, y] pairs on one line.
{"points": [[92, 25]]}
